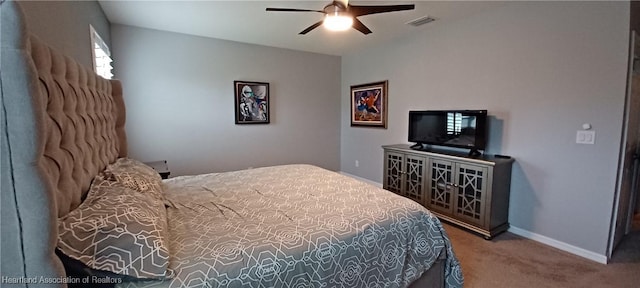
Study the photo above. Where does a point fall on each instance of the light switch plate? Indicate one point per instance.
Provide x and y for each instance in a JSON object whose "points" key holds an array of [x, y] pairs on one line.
{"points": [[586, 137]]}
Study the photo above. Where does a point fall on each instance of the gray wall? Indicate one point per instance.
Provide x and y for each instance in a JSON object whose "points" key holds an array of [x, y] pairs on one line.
{"points": [[542, 69], [180, 102], [64, 25]]}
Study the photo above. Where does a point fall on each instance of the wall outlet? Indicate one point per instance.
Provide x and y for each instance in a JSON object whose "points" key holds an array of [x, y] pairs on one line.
{"points": [[586, 137], [357, 163]]}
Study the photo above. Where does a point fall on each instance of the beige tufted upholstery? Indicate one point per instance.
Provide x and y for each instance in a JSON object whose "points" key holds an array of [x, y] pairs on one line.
{"points": [[83, 129], [61, 124]]}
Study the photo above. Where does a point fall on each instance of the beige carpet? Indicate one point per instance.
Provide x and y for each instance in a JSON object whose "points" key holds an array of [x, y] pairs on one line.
{"points": [[512, 261]]}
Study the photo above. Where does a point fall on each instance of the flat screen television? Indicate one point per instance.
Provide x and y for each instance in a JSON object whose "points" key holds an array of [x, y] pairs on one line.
{"points": [[452, 128]]}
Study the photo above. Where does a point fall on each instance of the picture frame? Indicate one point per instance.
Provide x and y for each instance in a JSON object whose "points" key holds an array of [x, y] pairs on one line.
{"points": [[369, 104], [251, 102]]}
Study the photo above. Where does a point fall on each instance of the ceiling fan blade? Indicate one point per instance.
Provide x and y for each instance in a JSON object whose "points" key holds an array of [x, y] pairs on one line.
{"points": [[292, 10], [356, 10], [314, 26], [360, 27]]}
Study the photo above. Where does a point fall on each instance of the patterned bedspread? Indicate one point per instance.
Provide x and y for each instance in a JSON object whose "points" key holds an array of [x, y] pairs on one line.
{"points": [[297, 226]]}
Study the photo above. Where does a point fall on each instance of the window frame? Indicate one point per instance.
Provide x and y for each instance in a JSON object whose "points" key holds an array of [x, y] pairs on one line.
{"points": [[98, 44]]}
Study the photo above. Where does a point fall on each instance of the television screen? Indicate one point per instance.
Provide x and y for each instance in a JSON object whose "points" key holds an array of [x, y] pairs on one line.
{"points": [[454, 128]]}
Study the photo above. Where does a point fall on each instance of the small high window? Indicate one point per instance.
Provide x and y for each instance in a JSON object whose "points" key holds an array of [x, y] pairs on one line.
{"points": [[101, 55]]}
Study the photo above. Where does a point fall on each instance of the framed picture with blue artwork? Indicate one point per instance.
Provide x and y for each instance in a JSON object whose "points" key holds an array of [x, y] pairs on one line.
{"points": [[251, 102], [369, 104]]}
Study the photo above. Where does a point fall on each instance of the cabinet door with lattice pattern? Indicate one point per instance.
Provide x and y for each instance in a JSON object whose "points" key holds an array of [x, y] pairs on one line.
{"points": [[440, 193], [471, 195], [414, 167], [393, 163]]}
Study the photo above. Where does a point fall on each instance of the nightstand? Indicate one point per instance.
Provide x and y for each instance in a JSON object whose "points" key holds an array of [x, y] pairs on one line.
{"points": [[161, 167]]}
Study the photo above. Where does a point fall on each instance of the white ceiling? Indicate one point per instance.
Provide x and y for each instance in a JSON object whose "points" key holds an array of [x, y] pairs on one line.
{"points": [[248, 22]]}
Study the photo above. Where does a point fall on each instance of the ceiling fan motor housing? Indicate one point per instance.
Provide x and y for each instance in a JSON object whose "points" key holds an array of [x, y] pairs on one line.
{"points": [[335, 8]]}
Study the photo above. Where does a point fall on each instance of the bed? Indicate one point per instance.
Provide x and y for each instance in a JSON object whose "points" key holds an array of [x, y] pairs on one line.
{"points": [[76, 209]]}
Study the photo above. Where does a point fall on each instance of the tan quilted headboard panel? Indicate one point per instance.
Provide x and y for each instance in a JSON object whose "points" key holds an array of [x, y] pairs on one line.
{"points": [[83, 128], [60, 125]]}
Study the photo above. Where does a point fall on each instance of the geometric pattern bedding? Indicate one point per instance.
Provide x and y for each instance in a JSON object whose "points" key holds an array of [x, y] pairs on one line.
{"points": [[135, 175], [297, 226], [118, 230]]}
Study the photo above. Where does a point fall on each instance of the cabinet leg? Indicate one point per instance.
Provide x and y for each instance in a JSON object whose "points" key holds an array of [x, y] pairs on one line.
{"points": [[488, 238]]}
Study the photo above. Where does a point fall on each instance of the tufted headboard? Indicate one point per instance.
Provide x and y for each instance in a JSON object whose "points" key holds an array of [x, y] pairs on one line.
{"points": [[61, 125]]}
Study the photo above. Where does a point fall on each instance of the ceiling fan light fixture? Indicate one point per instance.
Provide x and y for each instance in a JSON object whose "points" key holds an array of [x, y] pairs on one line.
{"points": [[338, 21], [340, 15]]}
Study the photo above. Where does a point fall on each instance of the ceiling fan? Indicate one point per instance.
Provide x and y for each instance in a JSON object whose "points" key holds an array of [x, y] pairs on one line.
{"points": [[340, 15]]}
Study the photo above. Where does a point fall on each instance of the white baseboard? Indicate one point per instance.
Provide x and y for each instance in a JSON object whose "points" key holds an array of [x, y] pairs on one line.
{"points": [[559, 245], [527, 234], [374, 183]]}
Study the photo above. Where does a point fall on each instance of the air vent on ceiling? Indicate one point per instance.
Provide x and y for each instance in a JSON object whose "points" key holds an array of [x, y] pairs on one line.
{"points": [[421, 21]]}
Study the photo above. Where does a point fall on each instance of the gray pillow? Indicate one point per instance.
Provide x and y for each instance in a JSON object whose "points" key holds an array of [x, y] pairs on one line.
{"points": [[119, 230]]}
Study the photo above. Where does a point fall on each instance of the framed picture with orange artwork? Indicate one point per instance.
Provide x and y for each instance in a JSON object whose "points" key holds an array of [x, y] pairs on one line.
{"points": [[369, 104]]}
